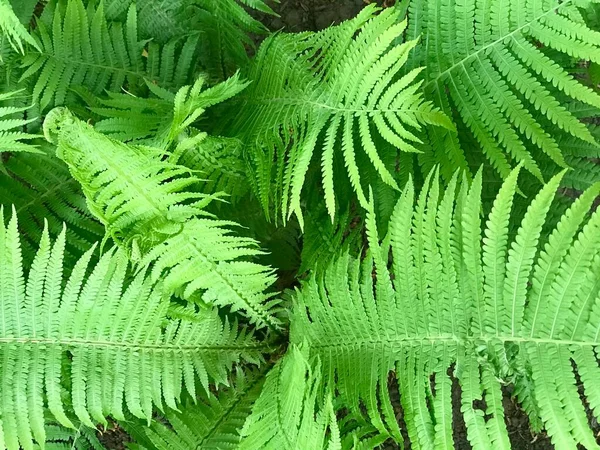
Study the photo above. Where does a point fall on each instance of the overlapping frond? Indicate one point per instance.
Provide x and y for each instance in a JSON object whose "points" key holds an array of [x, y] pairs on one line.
{"points": [[78, 46], [326, 97], [225, 27], [42, 189], [163, 118], [286, 415], [211, 422], [133, 191], [13, 138], [108, 340], [81, 438], [220, 163], [492, 62], [146, 205], [12, 29], [166, 120], [458, 302]]}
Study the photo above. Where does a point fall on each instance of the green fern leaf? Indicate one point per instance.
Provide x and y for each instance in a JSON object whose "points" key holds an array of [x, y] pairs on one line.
{"points": [[226, 27], [12, 29], [490, 59], [42, 188], [81, 438], [144, 203], [211, 422], [120, 343], [12, 123], [338, 90], [161, 120], [419, 318], [78, 47], [284, 415]]}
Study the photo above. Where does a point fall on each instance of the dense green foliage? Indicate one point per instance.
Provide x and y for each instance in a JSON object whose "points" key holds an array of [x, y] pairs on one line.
{"points": [[339, 239]]}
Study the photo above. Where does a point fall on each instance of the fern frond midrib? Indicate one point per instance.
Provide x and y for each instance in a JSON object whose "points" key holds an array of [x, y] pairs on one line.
{"points": [[218, 270], [125, 178], [441, 75], [50, 192], [278, 398], [70, 62], [66, 342], [226, 413], [289, 101], [432, 340]]}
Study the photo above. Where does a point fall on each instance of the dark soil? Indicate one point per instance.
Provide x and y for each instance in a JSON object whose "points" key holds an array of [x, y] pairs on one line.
{"points": [[313, 15], [113, 437]]}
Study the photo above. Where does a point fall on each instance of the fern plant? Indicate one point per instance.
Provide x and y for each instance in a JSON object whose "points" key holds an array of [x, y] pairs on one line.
{"points": [[79, 47], [316, 97], [470, 302], [215, 236], [494, 63], [109, 329]]}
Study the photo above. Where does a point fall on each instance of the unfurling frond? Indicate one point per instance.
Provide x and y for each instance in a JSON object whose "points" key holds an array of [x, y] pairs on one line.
{"points": [[147, 206], [13, 137], [109, 342], [494, 309], [12, 29], [495, 64], [325, 97], [80, 48]]}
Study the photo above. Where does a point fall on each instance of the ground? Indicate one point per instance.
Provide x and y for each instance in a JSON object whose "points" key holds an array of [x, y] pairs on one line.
{"points": [[303, 15]]}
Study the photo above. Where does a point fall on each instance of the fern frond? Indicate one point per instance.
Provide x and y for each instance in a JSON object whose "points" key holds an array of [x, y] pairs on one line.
{"points": [[213, 422], [317, 97], [78, 46], [227, 27], [143, 202], [12, 121], [495, 309], [284, 415], [115, 341], [490, 60], [42, 189], [161, 120], [12, 29], [206, 257], [81, 438], [138, 196]]}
